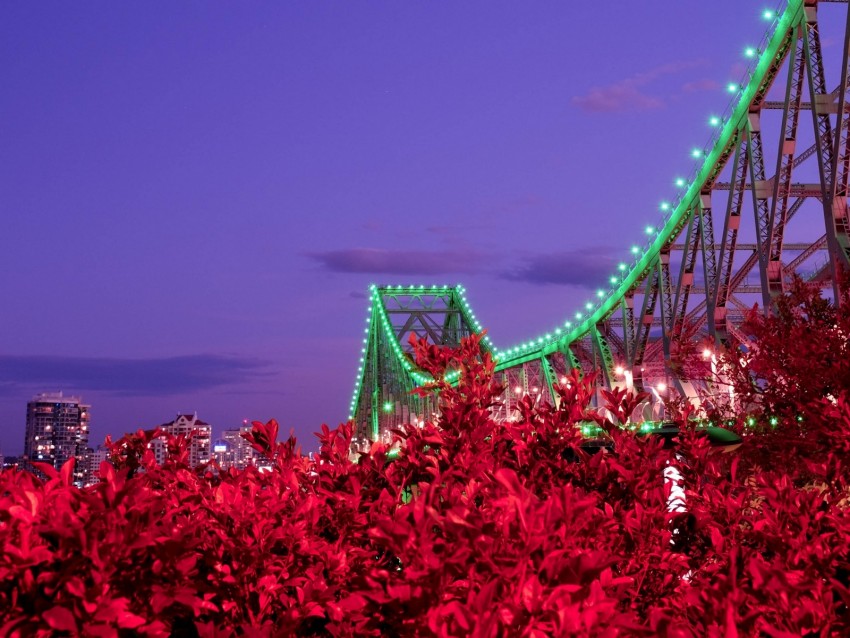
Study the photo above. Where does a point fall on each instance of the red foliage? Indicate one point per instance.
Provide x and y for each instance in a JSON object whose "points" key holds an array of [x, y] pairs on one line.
{"points": [[474, 528]]}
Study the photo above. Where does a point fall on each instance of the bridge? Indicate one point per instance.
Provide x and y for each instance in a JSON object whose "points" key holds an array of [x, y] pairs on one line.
{"points": [[766, 200]]}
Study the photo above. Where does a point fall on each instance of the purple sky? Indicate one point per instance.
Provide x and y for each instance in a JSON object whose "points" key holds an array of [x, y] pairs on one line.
{"points": [[197, 195]]}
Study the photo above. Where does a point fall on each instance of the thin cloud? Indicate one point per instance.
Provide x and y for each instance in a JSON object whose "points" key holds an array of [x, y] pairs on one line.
{"points": [[629, 94], [398, 262], [586, 268], [622, 96], [127, 377], [703, 84]]}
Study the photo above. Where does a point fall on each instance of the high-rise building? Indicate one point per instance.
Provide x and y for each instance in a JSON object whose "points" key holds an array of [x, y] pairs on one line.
{"points": [[199, 444], [95, 457], [57, 429], [232, 450]]}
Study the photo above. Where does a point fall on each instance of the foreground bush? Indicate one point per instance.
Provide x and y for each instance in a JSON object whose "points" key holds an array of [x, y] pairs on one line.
{"points": [[473, 529]]}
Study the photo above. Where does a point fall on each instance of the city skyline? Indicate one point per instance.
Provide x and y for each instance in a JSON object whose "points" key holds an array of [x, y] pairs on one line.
{"points": [[57, 430], [200, 196]]}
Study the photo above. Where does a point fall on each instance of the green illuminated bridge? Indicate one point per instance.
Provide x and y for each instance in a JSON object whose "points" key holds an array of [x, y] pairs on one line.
{"points": [[766, 200]]}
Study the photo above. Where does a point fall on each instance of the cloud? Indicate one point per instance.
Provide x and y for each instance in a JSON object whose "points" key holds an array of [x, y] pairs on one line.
{"points": [[398, 262], [703, 84], [589, 268], [622, 96], [127, 377], [628, 94]]}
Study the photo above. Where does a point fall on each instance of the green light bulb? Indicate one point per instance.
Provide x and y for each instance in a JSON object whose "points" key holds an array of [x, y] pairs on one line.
{"points": [[680, 182], [750, 52]]}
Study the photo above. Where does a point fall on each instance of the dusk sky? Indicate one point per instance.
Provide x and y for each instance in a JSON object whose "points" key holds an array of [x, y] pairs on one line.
{"points": [[196, 195]]}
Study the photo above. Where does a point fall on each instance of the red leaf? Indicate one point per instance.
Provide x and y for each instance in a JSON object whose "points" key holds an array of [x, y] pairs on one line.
{"points": [[67, 471], [60, 619]]}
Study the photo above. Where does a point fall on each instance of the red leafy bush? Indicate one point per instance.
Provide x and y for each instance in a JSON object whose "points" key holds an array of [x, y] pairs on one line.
{"points": [[463, 527]]}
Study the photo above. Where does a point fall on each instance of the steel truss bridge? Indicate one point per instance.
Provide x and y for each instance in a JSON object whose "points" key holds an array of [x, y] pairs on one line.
{"points": [[767, 200]]}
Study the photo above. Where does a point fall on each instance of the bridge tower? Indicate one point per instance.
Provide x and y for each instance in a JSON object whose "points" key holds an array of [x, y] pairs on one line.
{"points": [[387, 374]]}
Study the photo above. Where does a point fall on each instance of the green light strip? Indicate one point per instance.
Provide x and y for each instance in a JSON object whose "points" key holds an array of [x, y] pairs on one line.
{"points": [[627, 276], [592, 313]]}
